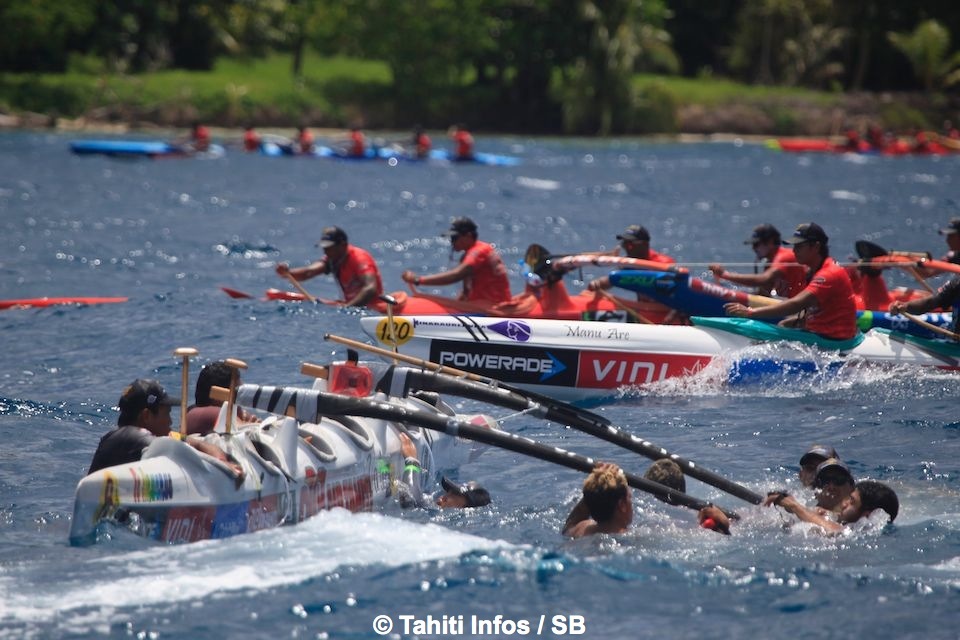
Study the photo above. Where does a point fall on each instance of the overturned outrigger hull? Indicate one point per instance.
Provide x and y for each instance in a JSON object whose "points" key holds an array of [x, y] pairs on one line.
{"points": [[294, 467]]}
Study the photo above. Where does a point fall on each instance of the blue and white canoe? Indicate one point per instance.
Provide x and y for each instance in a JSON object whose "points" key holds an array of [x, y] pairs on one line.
{"points": [[578, 361], [142, 149], [695, 297], [313, 455], [491, 159]]}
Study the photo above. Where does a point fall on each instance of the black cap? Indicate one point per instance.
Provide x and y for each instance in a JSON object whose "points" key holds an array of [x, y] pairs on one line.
{"points": [[952, 227], [332, 236], [817, 454], [144, 394], [634, 233], [460, 226], [476, 495], [808, 232], [763, 233], [834, 465]]}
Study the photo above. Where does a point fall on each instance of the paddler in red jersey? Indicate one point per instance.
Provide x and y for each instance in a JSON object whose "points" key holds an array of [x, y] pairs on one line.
{"points": [[251, 139], [421, 143], [481, 268], [462, 142], [356, 143], [200, 137], [304, 140], [635, 241], [826, 306], [783, 275], [354, 269]]}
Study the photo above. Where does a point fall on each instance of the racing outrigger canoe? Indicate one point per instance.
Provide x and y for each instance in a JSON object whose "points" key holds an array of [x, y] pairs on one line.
{"points": [[312, 456], [583, 361]]}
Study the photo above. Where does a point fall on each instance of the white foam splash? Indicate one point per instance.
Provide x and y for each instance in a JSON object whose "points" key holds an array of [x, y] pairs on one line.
{"points": [[537, 183], [172, 574]]}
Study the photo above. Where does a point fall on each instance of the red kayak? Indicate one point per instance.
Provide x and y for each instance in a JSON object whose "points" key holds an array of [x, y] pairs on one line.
{"points": [[823, 145], [47, 302]]}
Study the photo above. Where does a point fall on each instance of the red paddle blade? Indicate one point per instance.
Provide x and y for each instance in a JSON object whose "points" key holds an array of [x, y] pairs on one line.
{"points": [[234, 293]]}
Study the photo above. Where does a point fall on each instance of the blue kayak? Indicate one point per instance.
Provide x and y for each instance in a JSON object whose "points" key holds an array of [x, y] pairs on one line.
{"points": [[142, 149], [695, 297], [371, 153], [490, 159]]}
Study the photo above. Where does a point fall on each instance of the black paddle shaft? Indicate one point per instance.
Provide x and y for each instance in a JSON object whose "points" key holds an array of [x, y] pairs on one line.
{"points": [[335, 404], [556, 411]]}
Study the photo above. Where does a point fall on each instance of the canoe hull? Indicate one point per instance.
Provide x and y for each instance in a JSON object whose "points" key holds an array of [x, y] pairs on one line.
{"points": [[584, 361], [293, 469]]}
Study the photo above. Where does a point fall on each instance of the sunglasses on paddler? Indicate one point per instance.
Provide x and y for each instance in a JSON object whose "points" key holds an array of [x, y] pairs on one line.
{"points": [[836, 479]]}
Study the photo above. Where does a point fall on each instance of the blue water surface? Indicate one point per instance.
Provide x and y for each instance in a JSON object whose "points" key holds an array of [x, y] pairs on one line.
{"points": [[168, 233]]}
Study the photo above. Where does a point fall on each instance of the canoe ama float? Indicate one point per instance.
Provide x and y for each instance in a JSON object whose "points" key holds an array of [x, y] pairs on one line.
{"points": [[584, 361]]}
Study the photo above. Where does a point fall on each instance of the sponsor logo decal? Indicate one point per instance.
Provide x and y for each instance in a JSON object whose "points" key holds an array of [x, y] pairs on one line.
{"points": [[266, 512], [230, 520], [151, 487], [511, 363], [606, 370], [629, 280], [109, 497], [188, 524], [513, 329]]}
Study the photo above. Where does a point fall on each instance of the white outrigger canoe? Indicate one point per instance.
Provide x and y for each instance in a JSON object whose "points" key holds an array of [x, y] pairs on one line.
{"points": [[294, 466], [579, 361]]}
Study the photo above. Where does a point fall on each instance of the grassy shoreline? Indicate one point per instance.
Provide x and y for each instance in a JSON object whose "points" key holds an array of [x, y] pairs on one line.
{"points": [[335, 92]]}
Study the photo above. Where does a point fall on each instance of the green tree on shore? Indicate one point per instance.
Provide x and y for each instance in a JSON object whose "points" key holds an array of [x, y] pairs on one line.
{"points": [[928, 49]]}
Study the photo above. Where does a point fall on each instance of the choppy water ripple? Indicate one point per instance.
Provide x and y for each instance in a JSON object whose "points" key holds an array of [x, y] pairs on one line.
{"points": [[169, 234]]}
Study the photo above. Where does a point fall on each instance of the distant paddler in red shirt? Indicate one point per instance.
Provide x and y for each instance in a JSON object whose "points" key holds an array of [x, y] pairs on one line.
{"points": [[251, 139], [462, 142], [354, 269], [826, 306], [421, 143], [304, 141], [635, 241], [481, 268], [356, 143], [783, 275], [199, 138]]}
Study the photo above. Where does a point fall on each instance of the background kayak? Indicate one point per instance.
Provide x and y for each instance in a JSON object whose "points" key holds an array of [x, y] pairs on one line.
{"points": [[141, 148], [46, 302]]}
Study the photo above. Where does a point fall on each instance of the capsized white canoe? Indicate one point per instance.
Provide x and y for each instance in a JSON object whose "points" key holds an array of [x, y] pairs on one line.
{"points": [[578, 361], [294, 467]]}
